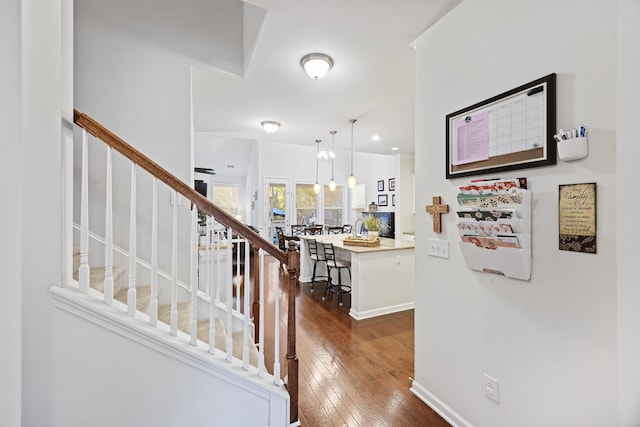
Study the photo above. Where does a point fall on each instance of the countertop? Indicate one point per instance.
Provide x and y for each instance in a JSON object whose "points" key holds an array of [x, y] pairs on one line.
{"points": [[385, 244]]}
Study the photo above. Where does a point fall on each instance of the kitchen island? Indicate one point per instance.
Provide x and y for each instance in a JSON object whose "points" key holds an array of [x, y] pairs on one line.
{"points": [[382, 276]]}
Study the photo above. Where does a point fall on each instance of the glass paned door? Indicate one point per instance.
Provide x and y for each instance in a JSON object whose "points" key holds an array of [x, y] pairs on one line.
{"points": [[277, 209]]}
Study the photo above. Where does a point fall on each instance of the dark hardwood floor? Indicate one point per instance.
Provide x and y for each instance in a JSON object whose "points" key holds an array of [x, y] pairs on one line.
{"points": [[351, 373]]}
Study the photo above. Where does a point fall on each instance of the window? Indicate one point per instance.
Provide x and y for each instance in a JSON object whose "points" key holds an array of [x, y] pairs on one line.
{"points": [[306, 204], [226, 197], [333, 205]]}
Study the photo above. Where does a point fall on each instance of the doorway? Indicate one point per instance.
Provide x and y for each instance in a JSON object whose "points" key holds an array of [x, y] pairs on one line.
{"points": [[277, 206]]}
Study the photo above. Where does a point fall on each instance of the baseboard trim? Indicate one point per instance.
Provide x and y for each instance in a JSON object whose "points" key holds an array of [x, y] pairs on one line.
{"points": [[444, 410], [360, 315]]}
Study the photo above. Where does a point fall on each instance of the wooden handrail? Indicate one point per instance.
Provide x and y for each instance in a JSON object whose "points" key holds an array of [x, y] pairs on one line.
{"points": [[105, 135]]}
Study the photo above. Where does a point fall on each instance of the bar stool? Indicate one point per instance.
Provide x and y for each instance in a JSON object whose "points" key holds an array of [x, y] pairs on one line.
{"points": [[316, 258], [339, 265], [313, 230], [334, 230]]}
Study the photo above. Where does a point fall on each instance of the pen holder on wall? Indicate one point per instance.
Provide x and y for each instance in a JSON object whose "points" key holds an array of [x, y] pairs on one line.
{"points": [[573, 148]]}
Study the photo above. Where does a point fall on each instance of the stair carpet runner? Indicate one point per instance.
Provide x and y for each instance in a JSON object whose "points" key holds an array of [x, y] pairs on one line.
{"points": [[143, 300]]}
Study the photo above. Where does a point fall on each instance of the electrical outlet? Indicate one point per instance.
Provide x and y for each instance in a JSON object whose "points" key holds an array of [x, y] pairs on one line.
{"points": [[437, 247], [491, 388]]}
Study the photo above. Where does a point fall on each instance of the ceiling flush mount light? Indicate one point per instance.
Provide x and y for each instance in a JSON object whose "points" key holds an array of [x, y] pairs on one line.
{"points": [[351, 181], [316, 65], [270, 126], [375, 137], [316, 186], [332, 183], [395, 148]]}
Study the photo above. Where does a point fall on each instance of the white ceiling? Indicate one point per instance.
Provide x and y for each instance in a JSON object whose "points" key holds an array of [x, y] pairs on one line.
{"points": [[247, 64]]}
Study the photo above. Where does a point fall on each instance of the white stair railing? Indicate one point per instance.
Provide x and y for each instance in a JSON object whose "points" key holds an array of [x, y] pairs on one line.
{"points": [[232, 271]]}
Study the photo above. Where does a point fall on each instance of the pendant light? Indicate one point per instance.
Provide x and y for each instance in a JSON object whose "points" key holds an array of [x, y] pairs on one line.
{"points": [[316, 186], [351, 181], [332, 183]]}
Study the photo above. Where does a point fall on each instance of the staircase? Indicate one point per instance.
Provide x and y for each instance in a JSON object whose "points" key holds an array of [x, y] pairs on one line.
{"points": [[217, 311]]}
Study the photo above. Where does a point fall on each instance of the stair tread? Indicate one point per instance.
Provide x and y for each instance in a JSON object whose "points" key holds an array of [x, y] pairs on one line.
{"points": [[143, 297], [96, 278], [184, 313]]}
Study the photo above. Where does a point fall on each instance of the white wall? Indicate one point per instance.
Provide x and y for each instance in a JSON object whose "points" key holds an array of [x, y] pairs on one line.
{"points": [[551, 341], [11, 246], [405, 219], [41, 203], [104, 379], [628, 233], [141, 92]]}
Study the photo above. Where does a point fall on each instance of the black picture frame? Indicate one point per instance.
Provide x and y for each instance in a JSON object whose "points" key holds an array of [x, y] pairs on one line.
{"points": [[381, 185], [392, 184], [383, 200], [530, 144]]}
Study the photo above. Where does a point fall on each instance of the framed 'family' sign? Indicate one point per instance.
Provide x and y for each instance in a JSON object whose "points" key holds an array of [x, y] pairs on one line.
{"points": [[513, 130], [577, 210]]}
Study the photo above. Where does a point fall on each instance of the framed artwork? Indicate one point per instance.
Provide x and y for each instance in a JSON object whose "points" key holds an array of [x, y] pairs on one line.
{"points": [[381, 185], [382, 200], [513, 130], [393, 200], [577, 217], [392, 184]]}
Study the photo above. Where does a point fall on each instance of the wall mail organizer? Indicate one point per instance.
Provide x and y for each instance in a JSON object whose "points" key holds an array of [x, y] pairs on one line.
{"points": [[494, 222]]}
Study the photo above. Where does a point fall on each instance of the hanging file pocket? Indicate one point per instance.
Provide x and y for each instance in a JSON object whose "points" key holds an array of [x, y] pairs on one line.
{"points": [[495, 235]]}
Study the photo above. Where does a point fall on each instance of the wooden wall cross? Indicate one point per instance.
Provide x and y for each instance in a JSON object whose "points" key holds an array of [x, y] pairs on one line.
{"points": [[437, 209]]}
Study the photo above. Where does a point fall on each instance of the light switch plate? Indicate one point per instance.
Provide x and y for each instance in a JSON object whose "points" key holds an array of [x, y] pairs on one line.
{"points": [[438, 248]]}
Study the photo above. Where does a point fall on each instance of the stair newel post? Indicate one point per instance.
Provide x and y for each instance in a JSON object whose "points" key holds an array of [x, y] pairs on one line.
{"points": [[194, 275], [229, 288], [293, 267], [246, 303], [84, 270], [255, 306], [153, 304], [173, 320], [108, 232], [260, 322], [131, 294]]}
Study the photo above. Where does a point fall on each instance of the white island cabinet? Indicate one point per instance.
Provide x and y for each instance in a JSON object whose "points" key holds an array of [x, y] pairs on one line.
{"points": [[382, 276]]}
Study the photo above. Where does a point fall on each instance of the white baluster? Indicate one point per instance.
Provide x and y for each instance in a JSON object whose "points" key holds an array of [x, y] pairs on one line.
{"points": [[84, 271], [174, 269], [230, 296], [238, 279], [262, 325], [245, 336], [153, 305], [131, 295], [208, 253], [276, 350], [211, 288], [108, 232], [219, 270], [194, 276]]}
